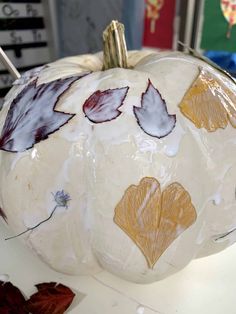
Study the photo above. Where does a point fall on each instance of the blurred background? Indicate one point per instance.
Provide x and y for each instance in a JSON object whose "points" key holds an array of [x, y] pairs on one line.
{"points": [[35, 32]]}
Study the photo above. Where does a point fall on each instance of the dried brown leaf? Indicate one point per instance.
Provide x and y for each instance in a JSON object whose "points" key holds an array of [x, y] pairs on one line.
{"points": [[51, 298]]}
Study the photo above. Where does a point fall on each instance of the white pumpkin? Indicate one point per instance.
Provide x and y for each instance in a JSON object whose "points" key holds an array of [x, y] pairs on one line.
{"points": [[106, 184]]}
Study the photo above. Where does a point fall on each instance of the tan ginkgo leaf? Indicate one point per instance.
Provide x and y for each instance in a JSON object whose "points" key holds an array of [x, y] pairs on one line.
{"points": [[153, 220], [209, 103]]}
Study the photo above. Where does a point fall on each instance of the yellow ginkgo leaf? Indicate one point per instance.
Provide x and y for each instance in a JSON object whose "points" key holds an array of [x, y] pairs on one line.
{"points": [[153, 220], [209, 103]]}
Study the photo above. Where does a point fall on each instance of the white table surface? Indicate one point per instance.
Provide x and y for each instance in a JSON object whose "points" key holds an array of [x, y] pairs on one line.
{"points": [[206, 286]]}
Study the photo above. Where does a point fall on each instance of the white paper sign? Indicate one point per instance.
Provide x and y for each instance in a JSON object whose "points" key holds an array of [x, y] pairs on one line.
{"points": [[15, 37], [19, 10]]}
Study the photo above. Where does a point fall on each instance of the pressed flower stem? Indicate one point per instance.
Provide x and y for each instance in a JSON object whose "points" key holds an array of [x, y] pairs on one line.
{"points": [[36, 226], [114, 47]]}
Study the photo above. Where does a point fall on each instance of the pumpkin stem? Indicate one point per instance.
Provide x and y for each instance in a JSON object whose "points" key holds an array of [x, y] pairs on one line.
{"points": [[114, 47]]}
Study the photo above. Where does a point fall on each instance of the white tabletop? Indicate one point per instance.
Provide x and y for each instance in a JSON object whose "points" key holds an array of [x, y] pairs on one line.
{"points": [[206, 286]]}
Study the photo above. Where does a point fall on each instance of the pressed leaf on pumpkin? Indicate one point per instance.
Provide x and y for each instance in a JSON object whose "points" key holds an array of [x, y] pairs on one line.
{"points": [[152, 116], [28, 75], [209, 103], [32, 116], [103, 106], [154, 219]]}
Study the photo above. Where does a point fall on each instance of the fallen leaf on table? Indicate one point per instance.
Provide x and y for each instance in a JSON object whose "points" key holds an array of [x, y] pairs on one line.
{"points": [[12, 300], [51, 298]]}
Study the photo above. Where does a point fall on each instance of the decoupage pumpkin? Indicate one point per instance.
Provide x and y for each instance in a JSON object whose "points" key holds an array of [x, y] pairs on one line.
{"points": [[131, 170]]}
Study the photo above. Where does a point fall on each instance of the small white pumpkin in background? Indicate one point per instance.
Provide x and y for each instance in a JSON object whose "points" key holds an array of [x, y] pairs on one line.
{"points": [[131, 170]]}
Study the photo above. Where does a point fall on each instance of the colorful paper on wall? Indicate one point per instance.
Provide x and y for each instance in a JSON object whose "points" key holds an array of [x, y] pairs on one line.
{"points": [[219, 29], [228, 8], [159, 23]]}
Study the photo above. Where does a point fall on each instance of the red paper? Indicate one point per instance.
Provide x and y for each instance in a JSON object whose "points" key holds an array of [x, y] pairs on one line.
{"points": [[159, 23]]}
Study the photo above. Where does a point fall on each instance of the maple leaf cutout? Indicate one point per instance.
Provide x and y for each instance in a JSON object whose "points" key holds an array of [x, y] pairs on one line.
{"points": [[102, 106], [2, 214], [12, 300], [28, 75], [152, 116], [32, 117], [153, 220], [51, 298], [209, 103]]}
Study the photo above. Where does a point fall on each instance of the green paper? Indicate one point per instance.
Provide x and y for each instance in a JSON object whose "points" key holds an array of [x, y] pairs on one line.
{"points": [[215, 28]]}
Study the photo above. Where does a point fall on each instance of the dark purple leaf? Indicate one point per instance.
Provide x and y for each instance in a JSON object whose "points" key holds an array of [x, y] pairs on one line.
{"points": [[28, 75], [2, 214], [103, 106], [32, 117], [51, 298], [12, 300], [152, 116]]}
